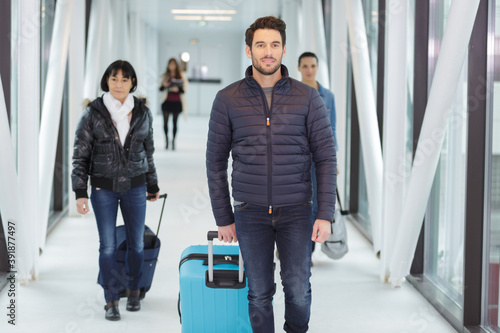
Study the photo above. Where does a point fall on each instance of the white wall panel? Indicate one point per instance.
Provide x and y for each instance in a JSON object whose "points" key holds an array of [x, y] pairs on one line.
{"points": [[51, 108]]}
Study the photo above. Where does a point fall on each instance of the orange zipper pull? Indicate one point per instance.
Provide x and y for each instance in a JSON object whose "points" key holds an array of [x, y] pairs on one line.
{"points": [[268, 123], [270, 209]]}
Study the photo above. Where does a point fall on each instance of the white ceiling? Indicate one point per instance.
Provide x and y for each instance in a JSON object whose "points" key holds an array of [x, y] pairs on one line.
{"points": [[157, 13]]}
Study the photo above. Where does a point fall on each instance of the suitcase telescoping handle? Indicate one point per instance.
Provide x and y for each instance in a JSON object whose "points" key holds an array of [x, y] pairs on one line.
{"points": [[210, 237], [164, 197]]}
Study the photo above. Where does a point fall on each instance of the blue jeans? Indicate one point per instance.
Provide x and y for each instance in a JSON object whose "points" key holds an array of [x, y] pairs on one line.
{"points": [[291, 229], [133, 207]]}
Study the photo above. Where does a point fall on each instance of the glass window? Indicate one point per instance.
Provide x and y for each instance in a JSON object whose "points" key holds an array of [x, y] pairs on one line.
{"points": [[59, 195], [493, 182], [48, 10], [372, 31], [363, 216], [372, 23], [410, 65], [445, 219]]}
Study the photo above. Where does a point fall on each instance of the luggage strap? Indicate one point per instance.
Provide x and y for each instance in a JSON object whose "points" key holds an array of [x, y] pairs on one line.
{"points": [[343, 212]]}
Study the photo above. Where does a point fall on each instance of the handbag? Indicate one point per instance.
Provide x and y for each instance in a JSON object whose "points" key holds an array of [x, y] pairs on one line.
{"points": [[335, 247]]}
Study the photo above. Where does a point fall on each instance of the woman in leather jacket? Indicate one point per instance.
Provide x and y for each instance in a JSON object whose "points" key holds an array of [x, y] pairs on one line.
{"points": [[114, 146]]}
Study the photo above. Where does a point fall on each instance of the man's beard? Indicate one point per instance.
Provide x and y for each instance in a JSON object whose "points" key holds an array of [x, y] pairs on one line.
{"points": [[264, 71]]}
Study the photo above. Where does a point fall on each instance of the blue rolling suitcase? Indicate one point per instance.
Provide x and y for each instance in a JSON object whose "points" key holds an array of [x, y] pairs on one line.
{"points": [[151, 250], [213, 289]]}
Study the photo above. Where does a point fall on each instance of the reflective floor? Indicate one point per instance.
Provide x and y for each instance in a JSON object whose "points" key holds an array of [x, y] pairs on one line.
{"points": [[347, 294]]}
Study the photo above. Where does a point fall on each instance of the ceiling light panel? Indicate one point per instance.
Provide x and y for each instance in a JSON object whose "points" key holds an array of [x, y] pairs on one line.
{"points": [[204, 11]]}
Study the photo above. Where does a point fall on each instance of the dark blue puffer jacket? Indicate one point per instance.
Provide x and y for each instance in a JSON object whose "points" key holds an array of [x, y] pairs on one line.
{"points": [[271, 147]]}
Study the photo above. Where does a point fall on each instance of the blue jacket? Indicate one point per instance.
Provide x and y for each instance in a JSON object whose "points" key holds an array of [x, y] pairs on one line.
{"points": [[271, 147], [329, 100]]}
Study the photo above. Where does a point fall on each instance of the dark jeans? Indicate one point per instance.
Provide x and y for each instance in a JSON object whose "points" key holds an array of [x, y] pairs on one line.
{"points": [[291, 229], [133, 207]]}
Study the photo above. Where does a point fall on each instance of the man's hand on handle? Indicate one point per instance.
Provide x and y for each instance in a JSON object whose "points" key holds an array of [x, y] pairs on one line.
{"points": [[227, 234]]}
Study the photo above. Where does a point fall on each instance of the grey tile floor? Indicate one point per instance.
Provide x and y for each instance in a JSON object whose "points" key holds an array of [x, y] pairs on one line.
{"points": [[347, 294]]}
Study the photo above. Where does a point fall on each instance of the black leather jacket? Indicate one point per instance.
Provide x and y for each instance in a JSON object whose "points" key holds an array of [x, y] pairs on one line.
{"points": [[99, 153]]}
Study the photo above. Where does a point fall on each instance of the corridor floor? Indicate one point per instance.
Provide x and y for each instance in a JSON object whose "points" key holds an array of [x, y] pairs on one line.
{"points": [[347, 294]]}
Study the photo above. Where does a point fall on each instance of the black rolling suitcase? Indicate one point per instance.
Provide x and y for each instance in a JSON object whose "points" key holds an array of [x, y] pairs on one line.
{"points": [[151, 250]]}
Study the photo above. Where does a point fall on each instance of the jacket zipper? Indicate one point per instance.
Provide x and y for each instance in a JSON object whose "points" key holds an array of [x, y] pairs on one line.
{"points": [[118, 145], [269, 150]]}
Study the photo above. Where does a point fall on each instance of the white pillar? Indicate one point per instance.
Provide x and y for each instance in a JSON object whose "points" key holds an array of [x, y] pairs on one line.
{"points": [[292, 15], [76, 60], [448, 68], [368, 124], [28, 50], [338, 76], [152, 73], [136, 54], [119, 33], [395, 124], [93, 62], [10, 198], [51, 108], [314, 40]]}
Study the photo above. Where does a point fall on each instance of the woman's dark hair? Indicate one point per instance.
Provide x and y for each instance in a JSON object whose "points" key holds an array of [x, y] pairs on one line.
{"points": [[307, 55], [127, 71], [266, 22], [177, 74]]}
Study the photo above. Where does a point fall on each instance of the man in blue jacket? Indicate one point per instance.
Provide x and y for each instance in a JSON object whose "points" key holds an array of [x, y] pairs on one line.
{"points": [[308, 67], [271, 124]]}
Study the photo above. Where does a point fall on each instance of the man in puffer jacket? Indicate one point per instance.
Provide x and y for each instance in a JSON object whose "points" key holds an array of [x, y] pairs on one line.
{"points": [[271, 124]]}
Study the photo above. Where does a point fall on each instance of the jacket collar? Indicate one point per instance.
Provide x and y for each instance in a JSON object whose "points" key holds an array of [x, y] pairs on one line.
{"points": [[252, 82], [321, 90]]}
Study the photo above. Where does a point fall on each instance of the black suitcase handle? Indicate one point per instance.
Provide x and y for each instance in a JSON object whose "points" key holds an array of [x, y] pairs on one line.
{"points": [[211, 235], [164, 197]]}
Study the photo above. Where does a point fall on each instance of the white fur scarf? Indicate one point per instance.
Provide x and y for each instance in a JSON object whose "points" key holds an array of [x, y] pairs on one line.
{"points": [[119, 113]]}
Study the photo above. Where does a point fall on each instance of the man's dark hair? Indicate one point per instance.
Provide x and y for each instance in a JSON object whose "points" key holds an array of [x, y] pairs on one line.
{"points": [[307, 55], [266, 22], [127, 71]]}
